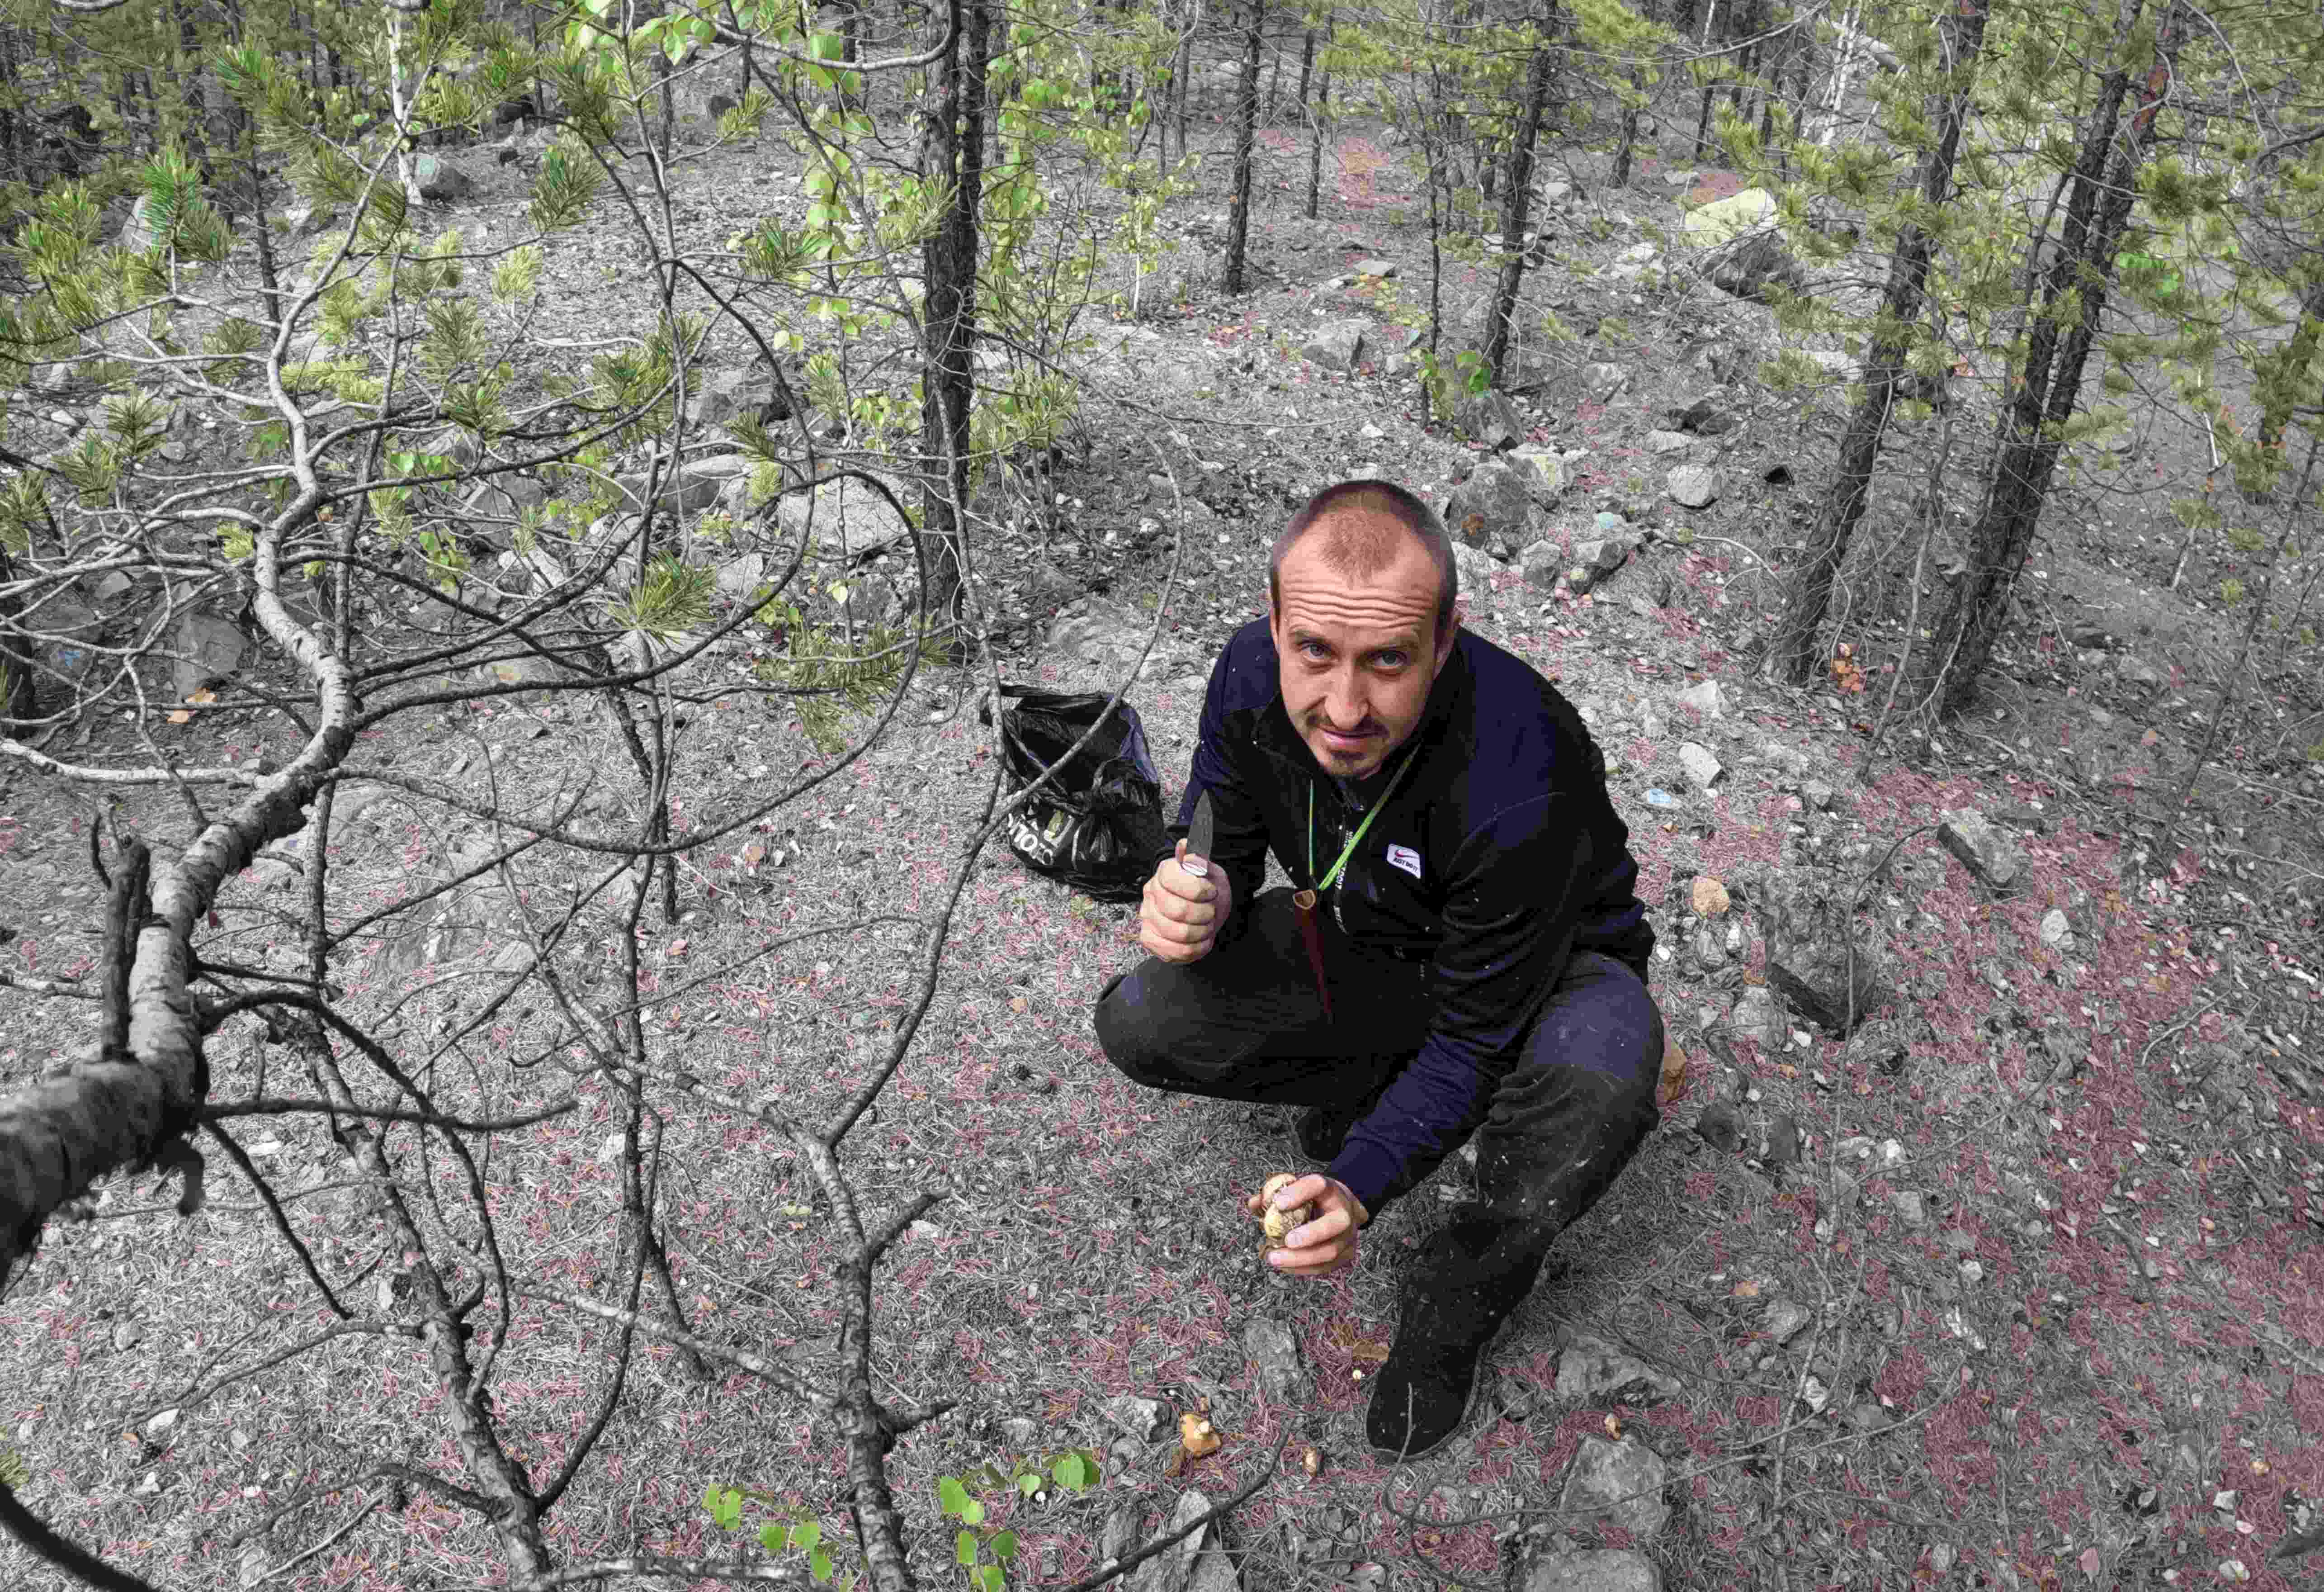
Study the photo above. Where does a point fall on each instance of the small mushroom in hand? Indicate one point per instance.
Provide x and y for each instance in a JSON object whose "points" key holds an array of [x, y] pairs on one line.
{"points": [[1279, 1223]]}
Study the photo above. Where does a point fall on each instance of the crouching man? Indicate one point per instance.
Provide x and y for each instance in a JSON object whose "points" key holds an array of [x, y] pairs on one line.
{"points": [[1472, 958]]}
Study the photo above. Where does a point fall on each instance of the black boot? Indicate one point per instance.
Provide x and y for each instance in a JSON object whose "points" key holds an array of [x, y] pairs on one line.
{"points": [[1461, 1287]]}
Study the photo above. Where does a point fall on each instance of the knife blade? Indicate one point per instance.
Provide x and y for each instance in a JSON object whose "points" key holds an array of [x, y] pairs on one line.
{"points": [[1200, 834]]}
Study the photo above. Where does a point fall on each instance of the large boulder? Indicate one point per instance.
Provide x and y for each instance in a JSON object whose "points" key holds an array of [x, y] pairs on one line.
{"points": [[1495, 503]]}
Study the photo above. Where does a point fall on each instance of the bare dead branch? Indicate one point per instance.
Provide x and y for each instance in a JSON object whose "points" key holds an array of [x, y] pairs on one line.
{"points": [[68, 1556], [657, 1564], [453, 1125], [758, 1366], [240, 1158]]}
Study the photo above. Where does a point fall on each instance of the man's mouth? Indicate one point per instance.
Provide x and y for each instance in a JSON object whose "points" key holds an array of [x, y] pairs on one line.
{"points": [[1345, 740]]}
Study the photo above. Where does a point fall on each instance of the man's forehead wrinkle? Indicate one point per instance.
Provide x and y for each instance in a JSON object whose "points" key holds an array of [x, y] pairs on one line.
{"points": [[1381, 617]]}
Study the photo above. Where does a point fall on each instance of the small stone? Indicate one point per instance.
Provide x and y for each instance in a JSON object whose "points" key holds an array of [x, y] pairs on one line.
{"points": [[1702, 769], [1971, 1272], [1146, 1419], [1542, 565], [1958, 1240], [1705, 697], [1815, 1395], [1668, 441], [1337, 344], [127, 1335], [1912, 1207], [1866, 1417], [1720, 1126], [1020, 1431], [1941, 1557], [1692, 485], [1784, 1320], [1983, 849], [1597, 1372], [1759, 1018], [1782, 1147], [2057, 933], [1385, 269], [1275, 1353], [1620, 1483], [1818, 795]]}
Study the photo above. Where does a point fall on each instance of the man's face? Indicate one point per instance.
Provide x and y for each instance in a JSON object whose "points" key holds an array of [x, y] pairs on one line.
{"points": [[1357, 657]]}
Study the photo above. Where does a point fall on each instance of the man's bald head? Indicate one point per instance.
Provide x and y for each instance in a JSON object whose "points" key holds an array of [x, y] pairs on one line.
{"points": [[1361, 529]]}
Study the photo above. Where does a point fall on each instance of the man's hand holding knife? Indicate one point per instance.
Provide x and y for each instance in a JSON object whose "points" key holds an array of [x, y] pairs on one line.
{"points": [[1187, 898]]}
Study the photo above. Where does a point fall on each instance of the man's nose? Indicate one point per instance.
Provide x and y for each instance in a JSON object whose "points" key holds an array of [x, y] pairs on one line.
{"points": [[1343, 702]]}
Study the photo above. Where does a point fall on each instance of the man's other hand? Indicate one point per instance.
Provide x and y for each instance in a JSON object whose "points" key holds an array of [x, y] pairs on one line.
{"points": [[1179, 919], [1326, 1243]]}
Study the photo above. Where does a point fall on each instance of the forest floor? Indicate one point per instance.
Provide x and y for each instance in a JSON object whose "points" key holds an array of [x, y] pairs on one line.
{"points": [[2015, 1286]]}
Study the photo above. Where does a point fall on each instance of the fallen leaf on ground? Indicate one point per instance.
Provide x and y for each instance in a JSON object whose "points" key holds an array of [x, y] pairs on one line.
{"points": [[1674, 1082], [1196, 1434], [1710, 897]]}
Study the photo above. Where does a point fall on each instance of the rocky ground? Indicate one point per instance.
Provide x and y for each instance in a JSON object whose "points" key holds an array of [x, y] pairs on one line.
{"points": [[1978, 1245]]}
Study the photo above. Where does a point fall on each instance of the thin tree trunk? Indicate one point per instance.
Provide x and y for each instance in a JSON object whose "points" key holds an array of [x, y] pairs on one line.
{"points": [[1246, 137], [1627, 148], [1794, 654], [1315, 137], [2026, 455], [1516, 201], [952, 153]]}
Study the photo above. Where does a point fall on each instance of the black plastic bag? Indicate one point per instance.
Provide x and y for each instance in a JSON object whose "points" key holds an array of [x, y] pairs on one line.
{"points": [[1096, 826]]}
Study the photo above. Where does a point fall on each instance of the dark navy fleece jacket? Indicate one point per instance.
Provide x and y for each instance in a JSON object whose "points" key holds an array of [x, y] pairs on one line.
{"points": [[1498, 857]]}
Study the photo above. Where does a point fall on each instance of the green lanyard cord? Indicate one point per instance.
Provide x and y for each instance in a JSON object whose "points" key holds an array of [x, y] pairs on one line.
{"points": [[1331, 879]]}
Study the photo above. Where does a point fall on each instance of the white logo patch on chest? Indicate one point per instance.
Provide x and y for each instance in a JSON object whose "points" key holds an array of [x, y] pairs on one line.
{"points": [[1405, 857]]}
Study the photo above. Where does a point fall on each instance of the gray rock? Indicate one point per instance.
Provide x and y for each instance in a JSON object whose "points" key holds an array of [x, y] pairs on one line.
{"points": [[2057, 933], [1783, 1146], [1818, 795], [1196, 1564], [1145, 1419], [1702, 769], [1336, 344], [850, 519], [1619, 1483], [1600, 382], [740, 578], [1541, 564], [720, 103], [1720, 1126], [440, 182], [1751, 264], [1912, 1207], [1759, 1018], [1594, 1569], [1668, 441], [1476, 569], [1784, 1319], [1274, 1356], [2132, 671], [1097, 641], [1835, 992], [1693, 486], [1602, 555], [1487, 417], [206, 648], [307, 220], [1385, 269], [1705, 697], [1595, 1372], [1984, 849], [684, 491], [1547, 480], [1495, 501], [715, 397], [1020, 1431]]}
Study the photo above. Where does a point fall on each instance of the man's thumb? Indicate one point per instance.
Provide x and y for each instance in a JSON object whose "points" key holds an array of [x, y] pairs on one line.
{"points": [[1181, 853]]}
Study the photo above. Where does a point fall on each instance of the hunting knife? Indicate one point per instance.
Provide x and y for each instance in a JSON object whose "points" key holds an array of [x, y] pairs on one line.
{"points": [[1197, 860]]}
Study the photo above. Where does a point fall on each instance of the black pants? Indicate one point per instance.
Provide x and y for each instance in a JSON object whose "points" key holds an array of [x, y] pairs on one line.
{"points": [[1245, 1024]]}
